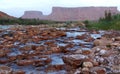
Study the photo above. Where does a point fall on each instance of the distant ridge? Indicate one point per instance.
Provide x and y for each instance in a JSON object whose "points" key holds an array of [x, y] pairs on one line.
{"points": [[4, 15], [71, 14]]}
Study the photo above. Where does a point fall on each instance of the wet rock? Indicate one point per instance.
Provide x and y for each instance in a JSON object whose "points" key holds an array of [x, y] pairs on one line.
{"points": [[85, 69], [55, 49], [56, 63], [5, 70], [98, 70], [115, 44], [42, 61], [102, 42], [2, 52], [89, 39], [74, 60], [99, 59], [95, 63], [26, 48], [87, 64], [40, 48], [79, 51], [102, 52], [19, 72], [81, 37], [12, 58], [25, 62], [117, 38], [3, 60], [55, 67], [116, 68], [86, 52], [78, 71]]}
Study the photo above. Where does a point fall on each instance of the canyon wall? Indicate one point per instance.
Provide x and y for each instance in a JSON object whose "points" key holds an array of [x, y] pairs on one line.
{"points": [[71, 14], [5, 15]]}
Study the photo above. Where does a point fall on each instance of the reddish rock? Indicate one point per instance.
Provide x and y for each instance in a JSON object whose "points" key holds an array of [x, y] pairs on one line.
{"points": [[12, 58], [26, 48], [81, 37], [42, 61], [85, 71], [2, 52], [89, 39], [55, 49], [19, 72], [79, 51], [95, 63], [117, 38], [25, 62], [86, 52], [98, 70], [4, 61], [40, 48], [4, 15], [74, 60], [71, 14], [102, 42], [5, 70], [55, 67]]}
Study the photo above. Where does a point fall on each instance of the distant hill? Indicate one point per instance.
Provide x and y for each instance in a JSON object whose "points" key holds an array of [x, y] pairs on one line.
{"points": [[4, 15], [71, 14]]}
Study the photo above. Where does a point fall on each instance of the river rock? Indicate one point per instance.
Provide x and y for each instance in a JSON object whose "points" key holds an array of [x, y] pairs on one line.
{"points": [[102, 52], [2, 53], [5, 70], [79, 51], [74, 60], [117, 38], [25, 62], [98, 70], [87, 64], [85, 69], [86, 52], [102, 42], [19, 72]]}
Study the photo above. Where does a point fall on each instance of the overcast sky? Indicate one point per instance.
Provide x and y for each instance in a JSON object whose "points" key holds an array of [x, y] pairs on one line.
{"points": [[17, 7]]}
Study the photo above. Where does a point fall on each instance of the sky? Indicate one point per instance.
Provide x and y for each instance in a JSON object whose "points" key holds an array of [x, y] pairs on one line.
{"points": [[17, 7]]}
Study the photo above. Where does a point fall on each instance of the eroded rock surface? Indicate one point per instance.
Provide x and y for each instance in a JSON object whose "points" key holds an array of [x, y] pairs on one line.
{"points": [[71, 14]]}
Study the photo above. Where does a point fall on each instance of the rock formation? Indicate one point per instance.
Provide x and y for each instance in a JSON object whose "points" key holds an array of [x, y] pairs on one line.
{"points": [[71, 14], [33, 14], [4, 15]]}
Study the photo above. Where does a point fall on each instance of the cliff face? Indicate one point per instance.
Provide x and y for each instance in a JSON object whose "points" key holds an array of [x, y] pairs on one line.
{"points": [[72, 14], [4, 15], [33, 15]]}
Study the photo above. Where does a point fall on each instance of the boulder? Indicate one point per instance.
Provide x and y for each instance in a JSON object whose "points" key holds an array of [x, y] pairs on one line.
{"points": [[74, 60], [19, 72], [98, 70], [25, 62], [102, 42], [87, 64], [117, 38], [5, 70]]}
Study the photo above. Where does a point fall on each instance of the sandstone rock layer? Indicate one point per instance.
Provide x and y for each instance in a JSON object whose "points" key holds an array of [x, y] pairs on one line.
{"points": [[71, 14]]}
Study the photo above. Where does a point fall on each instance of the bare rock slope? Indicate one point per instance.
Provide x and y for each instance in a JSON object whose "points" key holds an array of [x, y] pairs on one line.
{"points": [[71, 14], [4, 15]]}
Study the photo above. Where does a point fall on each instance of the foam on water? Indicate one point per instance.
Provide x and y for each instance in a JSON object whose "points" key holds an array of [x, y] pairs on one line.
{"points": [[74, 34]]}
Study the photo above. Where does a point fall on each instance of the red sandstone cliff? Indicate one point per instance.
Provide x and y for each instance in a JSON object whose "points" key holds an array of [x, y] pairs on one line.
{"points": [[33, 14], [4, 15], [72, 14]]}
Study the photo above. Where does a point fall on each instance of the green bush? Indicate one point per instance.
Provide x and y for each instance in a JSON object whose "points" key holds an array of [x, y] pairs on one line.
{"points": [[5, 21], [105, 24]]}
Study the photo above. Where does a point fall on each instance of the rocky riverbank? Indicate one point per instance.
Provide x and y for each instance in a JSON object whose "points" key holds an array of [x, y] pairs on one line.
{"points": [[35, 50]]}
